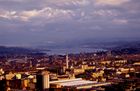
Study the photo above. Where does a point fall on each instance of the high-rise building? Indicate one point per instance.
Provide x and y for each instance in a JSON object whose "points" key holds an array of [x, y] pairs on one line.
{"points": [[42, 81], [31, 64], [67, 61], [46, 80]]}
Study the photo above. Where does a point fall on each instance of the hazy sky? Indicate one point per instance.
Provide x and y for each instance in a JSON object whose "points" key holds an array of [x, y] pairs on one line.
{"points": [[33, 22]]}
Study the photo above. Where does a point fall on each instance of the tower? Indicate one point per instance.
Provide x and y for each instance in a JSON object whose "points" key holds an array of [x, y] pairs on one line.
{"points": [[46, 84], [31, 64], [67, 61], [42, 81], [26, 58]]}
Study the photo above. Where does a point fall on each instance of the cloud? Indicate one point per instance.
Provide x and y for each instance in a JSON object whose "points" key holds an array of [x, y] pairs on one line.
{"points": [[52, 20], [26, 15], [46, 13], [13, 0], [68, 2], [31, 13], [111, 2], [7, 14], [120, 21], [103, 12]]}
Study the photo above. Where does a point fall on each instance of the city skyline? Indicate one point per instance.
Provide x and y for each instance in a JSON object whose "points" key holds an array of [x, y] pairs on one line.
{"points": [[51, 22]]}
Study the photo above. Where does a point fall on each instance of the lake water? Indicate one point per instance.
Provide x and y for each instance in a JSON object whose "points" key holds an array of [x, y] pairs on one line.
{"points": [[63, 51]]}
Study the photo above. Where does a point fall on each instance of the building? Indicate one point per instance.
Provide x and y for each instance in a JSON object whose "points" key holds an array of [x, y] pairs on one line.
{"points": [[77, 83], [67, 61], [42, 81]]}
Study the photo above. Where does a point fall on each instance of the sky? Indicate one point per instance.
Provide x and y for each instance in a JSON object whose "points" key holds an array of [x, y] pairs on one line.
{"points": [[50, 22]]}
